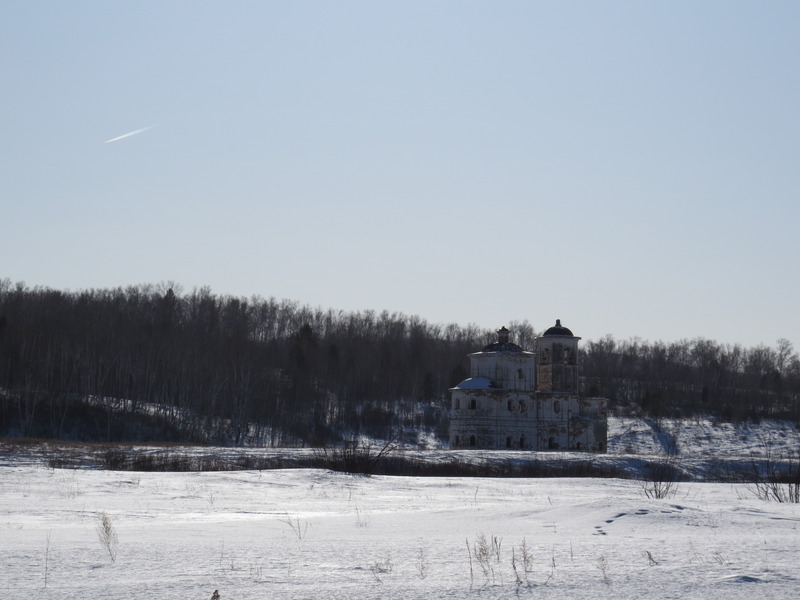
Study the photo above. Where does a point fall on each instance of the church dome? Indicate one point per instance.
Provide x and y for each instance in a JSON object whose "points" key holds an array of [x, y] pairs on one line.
{"points": [[502, 344], [558, 330]]}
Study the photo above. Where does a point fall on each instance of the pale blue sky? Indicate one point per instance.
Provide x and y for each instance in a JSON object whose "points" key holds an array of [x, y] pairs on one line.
{"points": [[628, 167]]}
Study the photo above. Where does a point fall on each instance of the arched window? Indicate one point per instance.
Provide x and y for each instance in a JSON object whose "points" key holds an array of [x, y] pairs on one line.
{"points": [[508, 442], [522, 441], [509, 405], [473, 404], [556, 406], [472, 440], [457, 403]]}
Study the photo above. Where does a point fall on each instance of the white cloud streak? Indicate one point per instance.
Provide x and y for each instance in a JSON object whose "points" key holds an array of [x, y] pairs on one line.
{"points": [[129, 134]]}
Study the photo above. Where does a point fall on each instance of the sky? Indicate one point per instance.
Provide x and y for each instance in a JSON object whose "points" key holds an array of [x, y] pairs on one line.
{"points": [[630, 168]]}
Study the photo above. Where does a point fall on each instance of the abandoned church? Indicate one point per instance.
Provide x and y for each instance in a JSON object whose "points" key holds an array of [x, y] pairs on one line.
{"points": [[516, 399]]}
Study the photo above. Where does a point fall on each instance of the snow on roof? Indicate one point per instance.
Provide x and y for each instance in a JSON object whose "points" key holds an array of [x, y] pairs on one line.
{"points": [[475, 383]]}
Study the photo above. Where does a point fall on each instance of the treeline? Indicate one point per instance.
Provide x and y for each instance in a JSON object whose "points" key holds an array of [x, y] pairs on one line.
{"points": [[221, 367], [694, 377], [150, 362]]}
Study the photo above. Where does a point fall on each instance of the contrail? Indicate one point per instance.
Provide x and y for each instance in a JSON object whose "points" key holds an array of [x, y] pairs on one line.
{"points": [[129, 134]]}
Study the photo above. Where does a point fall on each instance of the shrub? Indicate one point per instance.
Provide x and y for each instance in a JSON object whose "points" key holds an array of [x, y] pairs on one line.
{"points": [[776, 478], [355, 457], [660, 479], [107, 535]]}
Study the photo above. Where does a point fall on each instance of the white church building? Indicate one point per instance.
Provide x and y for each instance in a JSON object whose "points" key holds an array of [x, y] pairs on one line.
{"points": [[516, 399]]}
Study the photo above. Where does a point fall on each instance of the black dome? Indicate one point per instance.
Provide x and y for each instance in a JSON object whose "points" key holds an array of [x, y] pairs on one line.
{"points": [[502, 344], [503, 347], [558, 329]]}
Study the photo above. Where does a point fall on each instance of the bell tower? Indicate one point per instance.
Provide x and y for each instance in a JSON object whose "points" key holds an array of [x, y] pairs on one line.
{"points": [[557, 364]]}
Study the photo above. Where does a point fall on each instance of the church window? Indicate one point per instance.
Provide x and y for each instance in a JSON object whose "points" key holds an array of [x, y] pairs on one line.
{"points": [[458, 403], [556, 406], [509, 405], [473, 404], [520, 374], [508, 442], [522, 441], [472, 440]]}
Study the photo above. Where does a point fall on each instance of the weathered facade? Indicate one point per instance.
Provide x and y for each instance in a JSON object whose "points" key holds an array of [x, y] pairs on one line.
{"points": [[515, 399]]}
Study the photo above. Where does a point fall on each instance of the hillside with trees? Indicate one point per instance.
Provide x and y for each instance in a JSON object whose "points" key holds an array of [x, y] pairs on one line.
{"points": [[150, 362]]}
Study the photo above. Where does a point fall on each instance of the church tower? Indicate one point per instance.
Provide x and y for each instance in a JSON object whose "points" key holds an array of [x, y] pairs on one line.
{"points": [[557, 369]]}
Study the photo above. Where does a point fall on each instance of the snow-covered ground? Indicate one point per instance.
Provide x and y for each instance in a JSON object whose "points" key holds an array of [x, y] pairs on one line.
{"points": [[316, 534], [308, 533], [700, 437]]}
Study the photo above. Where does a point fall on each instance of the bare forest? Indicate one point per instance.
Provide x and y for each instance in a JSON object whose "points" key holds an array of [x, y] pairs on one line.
{"points": [[152, 363]]}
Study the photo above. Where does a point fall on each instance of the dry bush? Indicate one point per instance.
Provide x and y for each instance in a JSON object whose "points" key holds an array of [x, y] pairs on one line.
{"points": [[298, 526], [381, 568], [660, 479], [354, 457], [107, 535], [422, 563], [776, 478]]}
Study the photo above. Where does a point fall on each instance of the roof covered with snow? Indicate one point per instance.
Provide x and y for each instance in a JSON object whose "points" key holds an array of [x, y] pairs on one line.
{"points": [[475, 383]]}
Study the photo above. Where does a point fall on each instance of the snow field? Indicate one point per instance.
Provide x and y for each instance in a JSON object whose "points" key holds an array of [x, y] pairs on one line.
{"points": [[316, 534]]}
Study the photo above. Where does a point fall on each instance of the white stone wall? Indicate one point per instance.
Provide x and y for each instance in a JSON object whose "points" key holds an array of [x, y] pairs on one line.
{"points": [[500, 419], [507, 370], [508, 419]]}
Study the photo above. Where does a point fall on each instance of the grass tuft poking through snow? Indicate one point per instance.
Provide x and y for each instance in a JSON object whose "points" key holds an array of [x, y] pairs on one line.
{"points": [[107, 535]]}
